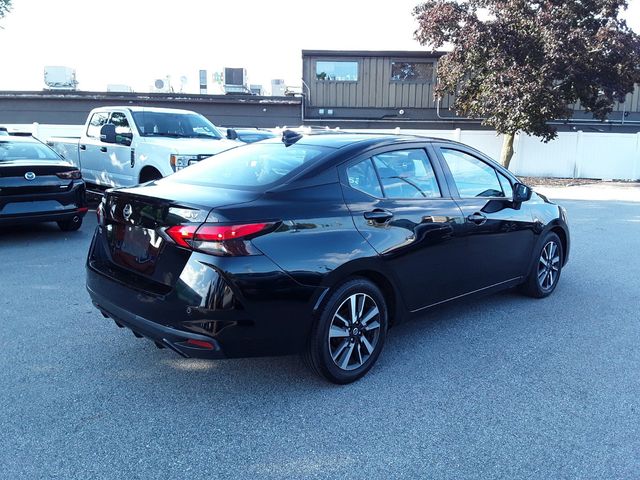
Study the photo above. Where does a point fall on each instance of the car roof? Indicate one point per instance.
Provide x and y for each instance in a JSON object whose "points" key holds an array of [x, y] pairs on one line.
{"points": [[18, 138], [135, 109], [337, 139]]}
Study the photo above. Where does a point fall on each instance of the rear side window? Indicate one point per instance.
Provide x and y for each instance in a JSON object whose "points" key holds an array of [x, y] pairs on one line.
{"points": [[407, 174], [254, 165], [98, 119], [473, 177], [362, 176]]}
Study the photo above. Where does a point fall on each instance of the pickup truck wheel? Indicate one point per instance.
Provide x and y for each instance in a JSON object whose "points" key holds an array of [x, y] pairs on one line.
{"points": [[149, 174], [70, 225]]}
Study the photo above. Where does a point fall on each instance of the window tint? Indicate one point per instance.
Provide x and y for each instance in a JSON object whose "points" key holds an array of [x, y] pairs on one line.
{"points": [[337, 71], [407, 174], [253, 165], [506, 185], [362, 176], [473, 177], [98, 119], [419, 72]]}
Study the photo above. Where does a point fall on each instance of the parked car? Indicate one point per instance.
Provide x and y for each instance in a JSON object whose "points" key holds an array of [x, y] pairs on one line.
{"points": [[250, 135], [318, 244], [37, 185], [125, 146]]}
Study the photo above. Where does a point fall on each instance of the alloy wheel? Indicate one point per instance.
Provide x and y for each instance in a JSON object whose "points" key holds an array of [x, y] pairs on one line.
{"points": [[354, 331], [549, 266]]}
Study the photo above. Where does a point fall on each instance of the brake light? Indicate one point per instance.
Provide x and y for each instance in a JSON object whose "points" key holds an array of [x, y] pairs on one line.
{"points": [[70, 175], [181, 234], [218, 239]]}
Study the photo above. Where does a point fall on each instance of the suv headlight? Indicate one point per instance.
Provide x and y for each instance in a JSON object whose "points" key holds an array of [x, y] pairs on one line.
{"points": [[178, 162]]}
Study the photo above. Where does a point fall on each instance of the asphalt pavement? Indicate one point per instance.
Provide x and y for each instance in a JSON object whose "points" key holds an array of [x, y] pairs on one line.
{"points": [[502, 387]]}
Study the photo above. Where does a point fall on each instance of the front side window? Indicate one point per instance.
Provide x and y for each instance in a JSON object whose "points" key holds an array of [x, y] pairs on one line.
{"points": [[252, 166], [98, 119], [407, 174], [419, 72], [121, 123], [337, 71], [473, 177], [362, 176]]}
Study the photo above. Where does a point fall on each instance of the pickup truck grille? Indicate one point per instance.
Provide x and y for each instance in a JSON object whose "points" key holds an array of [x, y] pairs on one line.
{"points": [[200, 157]]}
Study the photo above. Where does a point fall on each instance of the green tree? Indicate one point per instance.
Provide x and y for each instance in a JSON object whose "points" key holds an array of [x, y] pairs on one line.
{"points": [[5, 6], [518, 64]]}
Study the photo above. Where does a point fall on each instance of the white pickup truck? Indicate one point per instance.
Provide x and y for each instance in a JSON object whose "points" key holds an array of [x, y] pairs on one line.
{"points": [[125, 146]]}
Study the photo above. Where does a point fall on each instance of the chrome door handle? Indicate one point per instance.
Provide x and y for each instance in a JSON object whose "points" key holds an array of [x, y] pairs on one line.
{"points": [[477, 218]]}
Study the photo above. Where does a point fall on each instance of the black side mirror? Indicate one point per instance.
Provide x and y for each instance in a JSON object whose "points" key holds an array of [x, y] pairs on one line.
{"points": [[232, 134], [108, 133], [521, 193]]}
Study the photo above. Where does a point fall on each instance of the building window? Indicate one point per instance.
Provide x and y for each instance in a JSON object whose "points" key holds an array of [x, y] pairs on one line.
{"points": [[337, 71], [419, 72]]}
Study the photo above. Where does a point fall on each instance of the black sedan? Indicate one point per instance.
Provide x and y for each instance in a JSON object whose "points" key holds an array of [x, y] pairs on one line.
{"points": [[317, 244], [37, 185]]}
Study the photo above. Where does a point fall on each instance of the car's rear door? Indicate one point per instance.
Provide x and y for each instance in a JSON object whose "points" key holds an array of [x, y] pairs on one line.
{"points": [[499, 234], [401, 204]]}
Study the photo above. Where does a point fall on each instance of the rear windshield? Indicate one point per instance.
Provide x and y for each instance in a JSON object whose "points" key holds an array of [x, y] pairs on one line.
{"points": [[17, 150], [251, 166]]}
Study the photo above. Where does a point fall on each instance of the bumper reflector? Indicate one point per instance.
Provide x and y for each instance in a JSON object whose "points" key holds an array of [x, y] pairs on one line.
{"points": [[200, 344]]}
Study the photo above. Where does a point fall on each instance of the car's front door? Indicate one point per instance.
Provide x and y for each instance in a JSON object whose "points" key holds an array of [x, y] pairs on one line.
{"points": [[401, 204], [91, 154], [499, 232]]}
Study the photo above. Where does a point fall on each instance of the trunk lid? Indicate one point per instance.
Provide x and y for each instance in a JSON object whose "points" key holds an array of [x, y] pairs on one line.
{"points": [[25, 177], [135, 220]]}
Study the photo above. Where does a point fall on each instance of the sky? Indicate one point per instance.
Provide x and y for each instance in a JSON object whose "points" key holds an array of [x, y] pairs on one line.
{"points": [[134, 42]]}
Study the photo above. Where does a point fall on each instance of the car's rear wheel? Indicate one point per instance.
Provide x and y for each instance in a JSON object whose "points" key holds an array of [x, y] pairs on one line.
{"points": [[545, 274], [350, 331], [70, 225]]}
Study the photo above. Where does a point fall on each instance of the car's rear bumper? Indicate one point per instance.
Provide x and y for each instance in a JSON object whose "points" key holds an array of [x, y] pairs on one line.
{"points": [[163, 336], [47, 207]]}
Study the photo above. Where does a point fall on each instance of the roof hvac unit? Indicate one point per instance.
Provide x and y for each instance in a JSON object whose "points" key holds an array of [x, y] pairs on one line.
{"points": [[235, 80], [60, 78], [278, 87], [162, 85]]}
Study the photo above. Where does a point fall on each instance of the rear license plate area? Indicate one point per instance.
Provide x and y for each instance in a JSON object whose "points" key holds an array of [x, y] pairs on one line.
{"points": [[134, 247]]}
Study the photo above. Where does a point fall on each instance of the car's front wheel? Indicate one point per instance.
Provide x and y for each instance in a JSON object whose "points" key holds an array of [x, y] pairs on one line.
{"points": [[545, 274], [350, 332]]}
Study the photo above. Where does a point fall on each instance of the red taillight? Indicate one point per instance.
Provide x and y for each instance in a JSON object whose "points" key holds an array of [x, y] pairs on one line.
{"points": [[83, 209], [70, 175], [181, 233], [217, 239], [218, 233]]}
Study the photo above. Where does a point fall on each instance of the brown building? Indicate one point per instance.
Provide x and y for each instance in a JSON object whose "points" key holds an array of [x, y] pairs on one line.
{"points": [[385, 89]]}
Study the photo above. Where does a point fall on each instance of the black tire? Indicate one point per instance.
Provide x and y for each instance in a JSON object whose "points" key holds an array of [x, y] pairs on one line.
{"points": [[544, 276], [364, 341], [70, 225], [150, 174]]}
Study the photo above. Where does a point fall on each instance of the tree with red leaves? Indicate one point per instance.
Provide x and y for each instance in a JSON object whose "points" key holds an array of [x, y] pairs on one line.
{"points": [[519, 64]]}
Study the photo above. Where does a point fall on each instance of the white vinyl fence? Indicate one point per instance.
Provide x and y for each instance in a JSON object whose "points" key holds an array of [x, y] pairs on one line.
{"points": [[609, 156]]}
